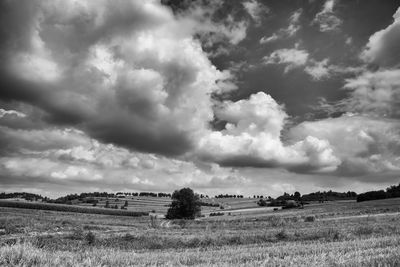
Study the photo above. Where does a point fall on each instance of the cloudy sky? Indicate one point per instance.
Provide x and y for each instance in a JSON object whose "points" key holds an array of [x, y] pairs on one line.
{"points": [[243, 97]]}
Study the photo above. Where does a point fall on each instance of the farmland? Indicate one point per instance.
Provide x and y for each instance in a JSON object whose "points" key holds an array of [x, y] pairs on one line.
{"points": [[334, 233], [136, 205]]}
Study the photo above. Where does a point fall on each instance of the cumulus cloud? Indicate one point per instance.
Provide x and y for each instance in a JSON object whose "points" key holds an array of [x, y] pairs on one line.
{"points": [[287, 32], [68, 158], [326, 18], [364, 144], [252, 137], [212, 28], [375, 93], [318, 70], [132, 75], [383, 46], [299, 58], [129, 73], [293, 58], [256, 10]]}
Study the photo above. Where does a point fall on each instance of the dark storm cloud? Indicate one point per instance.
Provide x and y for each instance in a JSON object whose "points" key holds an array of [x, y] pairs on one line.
{"points": [[78, 65]]}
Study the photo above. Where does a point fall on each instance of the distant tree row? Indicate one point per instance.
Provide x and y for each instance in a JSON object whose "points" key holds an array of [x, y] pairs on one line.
{"points": [[142, 194], [69, 199], [228, 196], [23, 195], [89, 197], [207, 204], [391, 192], [286, 198], [328, 196]]}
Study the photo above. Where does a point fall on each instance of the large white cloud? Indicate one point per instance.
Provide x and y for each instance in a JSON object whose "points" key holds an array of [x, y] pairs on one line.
{"points": [[252, 137], [376, 93], [364, 144], [130, 73], [383, 46]]}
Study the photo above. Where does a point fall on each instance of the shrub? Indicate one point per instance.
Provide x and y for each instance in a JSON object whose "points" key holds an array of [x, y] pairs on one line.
{"points": [[282, 235], [333, 234], [275, 221], [310, 218], [363, 230], [90, 238], [262, 203], [77, 233], [216, 214]]}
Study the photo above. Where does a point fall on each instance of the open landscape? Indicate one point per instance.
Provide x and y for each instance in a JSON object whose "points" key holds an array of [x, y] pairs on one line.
{"points": [[199, 133], [334, 233]]}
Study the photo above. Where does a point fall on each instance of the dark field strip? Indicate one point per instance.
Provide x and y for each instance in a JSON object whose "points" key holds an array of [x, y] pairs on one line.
{"points": [[70, 208]]}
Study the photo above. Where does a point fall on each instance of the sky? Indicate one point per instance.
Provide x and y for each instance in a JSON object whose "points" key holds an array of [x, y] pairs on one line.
{"points": [[240, 97]]}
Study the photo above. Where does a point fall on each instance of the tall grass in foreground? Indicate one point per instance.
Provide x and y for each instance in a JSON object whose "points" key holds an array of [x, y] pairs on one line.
{"points": [[381, 251]]}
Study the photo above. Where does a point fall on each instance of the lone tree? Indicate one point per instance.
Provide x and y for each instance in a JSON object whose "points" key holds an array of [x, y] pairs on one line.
{"points": [[185, 205]]}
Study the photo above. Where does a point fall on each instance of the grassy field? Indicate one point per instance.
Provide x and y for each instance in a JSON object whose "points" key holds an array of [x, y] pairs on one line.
{"points": [[327, 234]]}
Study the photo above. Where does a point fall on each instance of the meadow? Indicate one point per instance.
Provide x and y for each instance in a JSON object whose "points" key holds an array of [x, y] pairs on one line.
{"points": [[337, 233]]}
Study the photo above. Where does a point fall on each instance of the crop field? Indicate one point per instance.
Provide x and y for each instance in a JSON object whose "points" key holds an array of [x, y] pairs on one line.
{"points": [[342, 233], [136, 204], [160, 205]]}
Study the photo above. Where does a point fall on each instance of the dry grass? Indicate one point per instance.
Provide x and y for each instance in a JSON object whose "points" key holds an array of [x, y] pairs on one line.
{"points": [[287, 238], [382, 251]]}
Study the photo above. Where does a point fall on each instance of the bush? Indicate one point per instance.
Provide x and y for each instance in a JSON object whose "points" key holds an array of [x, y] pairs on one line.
{"points": [[77, 233], [275, 221], [262, 203], [282, 235], [185, 205], [332, 234], [90, 238], [216, 214], [310, 218], [363, 230]]}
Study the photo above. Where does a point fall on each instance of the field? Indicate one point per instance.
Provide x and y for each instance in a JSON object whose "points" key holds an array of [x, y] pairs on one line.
{"points": [[327, 234], [137, 205]]}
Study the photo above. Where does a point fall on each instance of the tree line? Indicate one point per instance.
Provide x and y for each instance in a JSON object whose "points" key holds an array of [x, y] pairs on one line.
{"points": [[391, 192]]}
